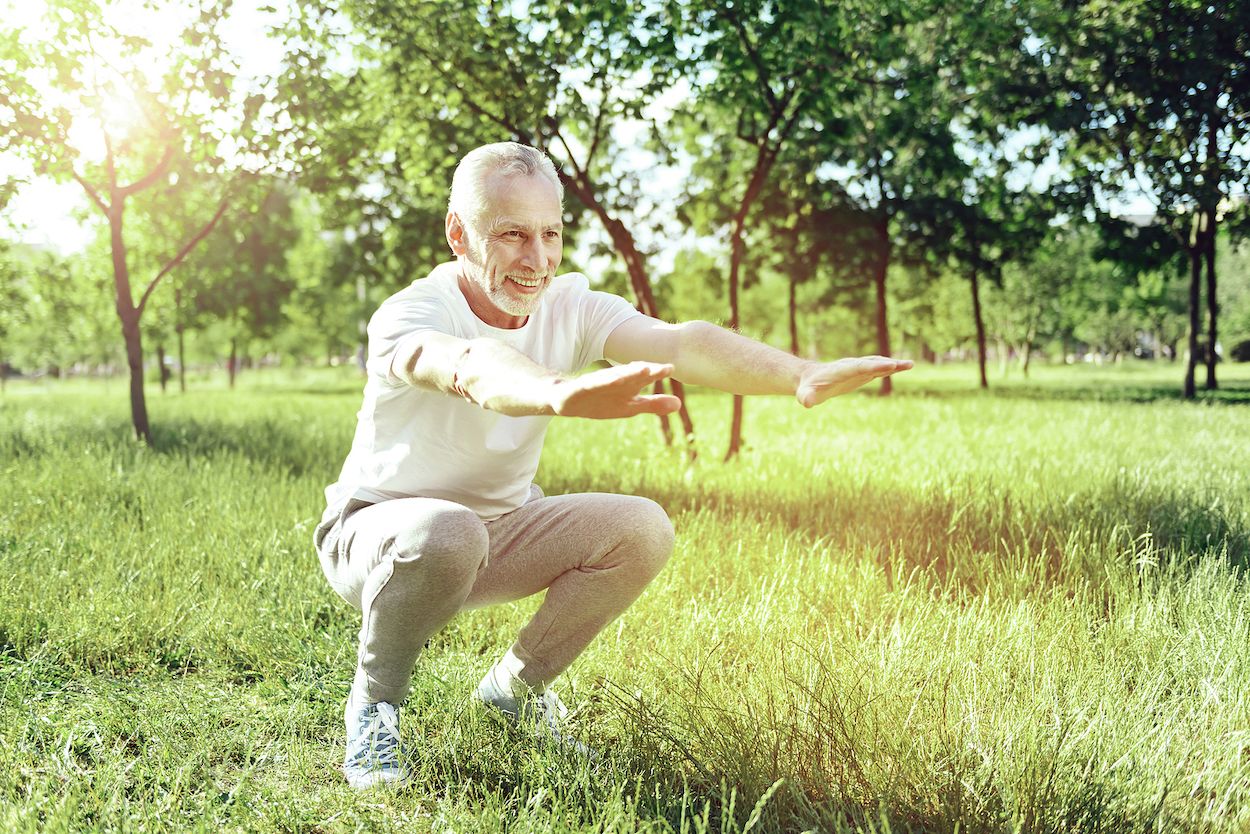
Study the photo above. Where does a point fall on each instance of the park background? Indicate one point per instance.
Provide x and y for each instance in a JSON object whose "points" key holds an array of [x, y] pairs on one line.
{"points": [[1004, 593]]}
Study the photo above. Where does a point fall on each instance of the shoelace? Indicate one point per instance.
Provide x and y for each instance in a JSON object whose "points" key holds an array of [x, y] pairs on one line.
{"points": [[384, 746], [550, 710]]}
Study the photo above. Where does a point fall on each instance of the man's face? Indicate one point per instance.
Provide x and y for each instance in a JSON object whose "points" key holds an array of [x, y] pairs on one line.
{"points": [[512, 252]]}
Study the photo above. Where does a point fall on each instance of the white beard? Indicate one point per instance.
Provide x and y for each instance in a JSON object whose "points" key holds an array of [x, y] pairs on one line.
{"points": [[497, 292], [512, 305]]}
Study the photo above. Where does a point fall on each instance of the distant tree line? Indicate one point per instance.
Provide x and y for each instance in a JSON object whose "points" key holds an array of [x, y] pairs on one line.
{"points": [[886, 176]]}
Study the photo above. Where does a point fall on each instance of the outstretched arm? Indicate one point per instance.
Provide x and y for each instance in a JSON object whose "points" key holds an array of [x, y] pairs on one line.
{"points": [[499, 378], [704, 354]]}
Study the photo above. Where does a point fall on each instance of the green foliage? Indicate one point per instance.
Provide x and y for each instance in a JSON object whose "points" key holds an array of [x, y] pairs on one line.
{"points": [[242, 275], [1235, 293], [1176, 117], [55, 313]]}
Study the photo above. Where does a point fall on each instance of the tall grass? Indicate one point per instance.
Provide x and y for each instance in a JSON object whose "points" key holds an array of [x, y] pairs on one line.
{"points": [[1021, 611]]}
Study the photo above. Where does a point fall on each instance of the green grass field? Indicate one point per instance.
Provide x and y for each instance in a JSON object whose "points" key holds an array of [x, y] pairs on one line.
{"points": [[1022, 610]]}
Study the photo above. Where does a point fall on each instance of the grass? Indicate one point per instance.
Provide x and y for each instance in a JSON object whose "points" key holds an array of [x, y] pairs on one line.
{"points": [[1021, 610]]}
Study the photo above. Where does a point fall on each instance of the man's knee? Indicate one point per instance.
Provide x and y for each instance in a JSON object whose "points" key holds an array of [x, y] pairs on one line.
{"points": [[650, 532], [448, 546]]}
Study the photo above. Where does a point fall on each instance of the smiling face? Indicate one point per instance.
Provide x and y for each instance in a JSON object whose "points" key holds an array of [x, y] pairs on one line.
{"points": [[509, 254]]}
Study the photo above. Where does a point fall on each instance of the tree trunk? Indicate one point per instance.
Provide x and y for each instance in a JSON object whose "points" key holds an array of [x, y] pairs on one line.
{"points": [[666, 428], [162, 374], [1026, 355], [1212, 302], [362, 323], [636, 268], [1195, 318], [182, 355], [129, 317], [883, 326], [794, 319], [980, 322], [735, 262], [232, 364], [134, 360], [182, 363], [737, 253]]}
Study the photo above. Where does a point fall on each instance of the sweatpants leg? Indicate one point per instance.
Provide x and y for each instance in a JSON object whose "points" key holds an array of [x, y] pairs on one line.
{"points": [[593, 552], [408, 565], [411, 564]]}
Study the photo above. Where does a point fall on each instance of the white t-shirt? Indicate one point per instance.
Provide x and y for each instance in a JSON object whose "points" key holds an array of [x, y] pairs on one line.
{"points": [[416, 442]]}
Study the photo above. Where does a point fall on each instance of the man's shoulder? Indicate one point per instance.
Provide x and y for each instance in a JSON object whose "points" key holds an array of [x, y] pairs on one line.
{"points": [[436, 287], [576, 286], [569, 283]]}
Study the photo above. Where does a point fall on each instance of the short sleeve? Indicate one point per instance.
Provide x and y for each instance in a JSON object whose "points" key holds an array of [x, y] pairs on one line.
{"points": [[601, 313], [398, 319]]}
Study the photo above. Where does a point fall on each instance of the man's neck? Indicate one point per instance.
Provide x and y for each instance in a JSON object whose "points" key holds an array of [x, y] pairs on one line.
{"points": [[482, 307]]}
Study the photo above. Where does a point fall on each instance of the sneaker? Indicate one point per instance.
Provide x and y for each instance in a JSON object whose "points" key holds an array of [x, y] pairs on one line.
{"points": [[541, 712], [373, 748]]}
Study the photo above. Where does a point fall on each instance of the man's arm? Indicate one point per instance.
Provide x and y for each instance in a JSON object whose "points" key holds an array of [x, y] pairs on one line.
{"points": [[499, 378], [704, 354]]}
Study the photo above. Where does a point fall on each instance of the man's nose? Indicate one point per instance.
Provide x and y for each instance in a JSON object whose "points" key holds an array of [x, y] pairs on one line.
{"points": [[532, 254]]}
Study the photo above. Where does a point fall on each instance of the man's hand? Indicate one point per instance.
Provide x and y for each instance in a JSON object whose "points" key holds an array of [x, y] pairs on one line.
{"points": [[614, 392], [820, 381]]}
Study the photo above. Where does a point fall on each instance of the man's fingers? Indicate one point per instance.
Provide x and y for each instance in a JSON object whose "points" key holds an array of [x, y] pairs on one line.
{"points": [[847, 375], [655, 404], [880, 366], [636, 375], [649, 371]]}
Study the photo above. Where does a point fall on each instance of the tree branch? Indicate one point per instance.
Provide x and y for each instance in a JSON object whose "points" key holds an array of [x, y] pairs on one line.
{"points": [[465, 98], [597, 132], [91, 192], [761, 72], [186, 249], [572, 159], [152, 176]]}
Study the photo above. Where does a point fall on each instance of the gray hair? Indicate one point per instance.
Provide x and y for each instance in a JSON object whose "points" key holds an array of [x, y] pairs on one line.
{"points": [[468, 198]]}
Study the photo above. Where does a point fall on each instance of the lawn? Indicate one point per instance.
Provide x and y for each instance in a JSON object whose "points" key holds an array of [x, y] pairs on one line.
{"points": [[1018, 610]]}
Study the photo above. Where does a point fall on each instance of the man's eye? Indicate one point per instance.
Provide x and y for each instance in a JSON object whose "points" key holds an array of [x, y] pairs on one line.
{"points": [[513, 235], [552, 235]]}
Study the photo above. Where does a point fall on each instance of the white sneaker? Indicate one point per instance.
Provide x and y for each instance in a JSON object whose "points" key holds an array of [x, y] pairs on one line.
{"points": [[373, 748], [541, 712]]}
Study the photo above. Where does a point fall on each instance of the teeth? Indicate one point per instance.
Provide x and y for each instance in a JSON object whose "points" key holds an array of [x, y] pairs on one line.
{"points": [[526, 282]]}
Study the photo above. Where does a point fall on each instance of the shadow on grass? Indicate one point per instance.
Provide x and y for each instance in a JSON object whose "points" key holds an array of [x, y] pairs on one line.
{"points": [[962, 533], [280, 444], [1235, 392]]}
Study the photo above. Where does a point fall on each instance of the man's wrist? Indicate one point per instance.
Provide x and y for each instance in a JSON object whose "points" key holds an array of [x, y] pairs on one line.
{"points": [[555, 394], [803, 368]]}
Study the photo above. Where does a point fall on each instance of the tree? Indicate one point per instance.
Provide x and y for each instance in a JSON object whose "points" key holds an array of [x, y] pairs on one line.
{"points": [[11, 308], [1151, 95], [762, 64], [560, 76], [43, 291], [885, 132], [243, 278], [90, 98]]}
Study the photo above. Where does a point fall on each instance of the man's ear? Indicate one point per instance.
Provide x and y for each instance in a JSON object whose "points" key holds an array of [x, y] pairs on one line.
{"points": [[456, 235]]}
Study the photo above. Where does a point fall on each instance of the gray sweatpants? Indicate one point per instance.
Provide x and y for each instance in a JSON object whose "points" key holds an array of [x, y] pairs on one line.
{"points": [[411, 564]]}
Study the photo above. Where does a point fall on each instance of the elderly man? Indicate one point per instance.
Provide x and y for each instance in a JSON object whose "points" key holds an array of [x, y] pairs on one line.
{"points": [[435, 510]]}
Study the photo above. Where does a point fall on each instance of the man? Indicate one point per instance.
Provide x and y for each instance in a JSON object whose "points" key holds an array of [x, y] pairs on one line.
{"points": [[435, 511]]}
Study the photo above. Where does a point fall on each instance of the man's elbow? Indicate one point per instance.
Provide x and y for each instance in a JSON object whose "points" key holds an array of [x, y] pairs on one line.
{"points": [[428, 363]]}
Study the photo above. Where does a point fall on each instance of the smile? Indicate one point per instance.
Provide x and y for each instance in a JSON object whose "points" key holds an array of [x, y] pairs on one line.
{"points": [[525, 282]]}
